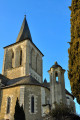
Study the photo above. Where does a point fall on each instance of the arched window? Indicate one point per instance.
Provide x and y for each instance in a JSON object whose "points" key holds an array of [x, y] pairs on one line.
{"points": [[32, 104], [10, 59], [39, 65], [56, 75], [20, 57], [12, 62], [33, 59], [8, 105], [19, 54]]}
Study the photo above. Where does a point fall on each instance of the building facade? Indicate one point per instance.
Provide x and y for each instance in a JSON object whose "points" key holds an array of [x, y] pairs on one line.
{"points": [[22, 78]]}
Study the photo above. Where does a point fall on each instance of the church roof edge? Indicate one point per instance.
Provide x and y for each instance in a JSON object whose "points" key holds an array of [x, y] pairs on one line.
{"points": [[22, 41], [25, 80]]}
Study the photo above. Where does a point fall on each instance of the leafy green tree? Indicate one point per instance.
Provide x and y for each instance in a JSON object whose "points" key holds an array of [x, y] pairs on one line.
{"points": [[19, 112], [74, 50]]}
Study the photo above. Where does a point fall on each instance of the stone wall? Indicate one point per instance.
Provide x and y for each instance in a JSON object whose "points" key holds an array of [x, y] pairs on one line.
{"points": [[36, 69], [36, 92], [13, 93], [57, 87], [11, 64], [71, 103], [15, 72], [24, 93], [16, 64], [45, 99]]}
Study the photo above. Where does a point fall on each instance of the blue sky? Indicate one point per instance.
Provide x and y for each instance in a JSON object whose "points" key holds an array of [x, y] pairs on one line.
{"points": [[49, 23]]}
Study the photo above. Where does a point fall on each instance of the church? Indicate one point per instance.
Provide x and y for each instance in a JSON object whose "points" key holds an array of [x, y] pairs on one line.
{"points": [[22, 78]]}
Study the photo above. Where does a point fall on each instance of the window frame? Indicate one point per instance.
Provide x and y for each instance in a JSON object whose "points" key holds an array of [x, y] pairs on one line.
{"points": [[8, 105], [32, 104], [20, 57]]}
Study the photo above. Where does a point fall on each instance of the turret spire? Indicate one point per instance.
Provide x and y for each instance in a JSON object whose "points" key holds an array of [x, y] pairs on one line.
{"points": [[24, 31]]}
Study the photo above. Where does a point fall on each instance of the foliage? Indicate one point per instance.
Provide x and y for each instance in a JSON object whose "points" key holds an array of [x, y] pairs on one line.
{"points": [[74, 50], [19, 112], [63, 112], [60, 111]]}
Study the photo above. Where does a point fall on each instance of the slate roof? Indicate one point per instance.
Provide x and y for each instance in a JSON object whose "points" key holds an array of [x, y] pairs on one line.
{"points": [[46, 84], [25, 80], [67, 92], [24, 31], [24, 34], [4, 79]]}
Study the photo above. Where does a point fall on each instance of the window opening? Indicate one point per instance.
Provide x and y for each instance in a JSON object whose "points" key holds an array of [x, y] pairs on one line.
{"points": [[12, 60], [12, 55], [57, 80], [67, 97], [21, 57], [8, 105], [32, 104]]}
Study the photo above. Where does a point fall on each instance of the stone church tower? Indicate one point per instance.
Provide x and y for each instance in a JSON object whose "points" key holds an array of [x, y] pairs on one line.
{"points": [[57, 85], [22, 78], [23, 57]]}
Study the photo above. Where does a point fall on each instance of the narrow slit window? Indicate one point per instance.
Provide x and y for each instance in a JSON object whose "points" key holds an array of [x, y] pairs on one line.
{"points": [[8, 105], [56, 75], [32, 104], [12, 55], [12, 59], [21, 57]]}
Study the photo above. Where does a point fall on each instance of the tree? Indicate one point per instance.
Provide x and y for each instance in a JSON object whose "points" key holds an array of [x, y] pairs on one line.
{"points": [[19, 112], [74, 50], [63, 112]]}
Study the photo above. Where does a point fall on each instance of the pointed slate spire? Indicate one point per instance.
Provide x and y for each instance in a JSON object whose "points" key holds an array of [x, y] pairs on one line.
{"points": [[24, 31]]}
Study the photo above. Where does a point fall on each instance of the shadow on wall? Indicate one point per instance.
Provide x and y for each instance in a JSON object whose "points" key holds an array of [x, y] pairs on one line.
{"points": [[1, 96]]}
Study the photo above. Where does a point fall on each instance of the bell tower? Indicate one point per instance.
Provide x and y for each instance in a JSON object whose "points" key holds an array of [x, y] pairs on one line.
{"points": [[57, 85], [23, 58]]}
